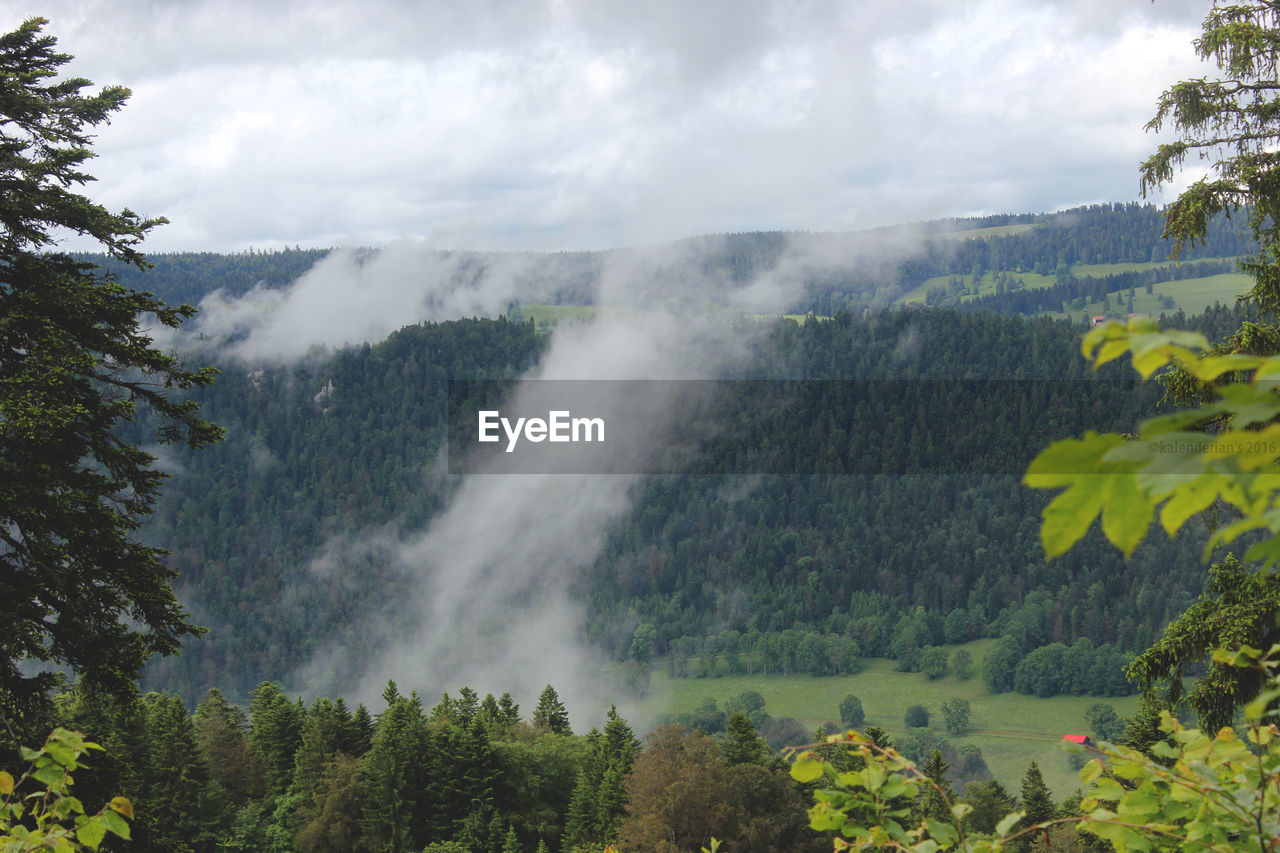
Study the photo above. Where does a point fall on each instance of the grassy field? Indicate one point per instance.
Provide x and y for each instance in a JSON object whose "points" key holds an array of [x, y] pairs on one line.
{"points": [[1192, 295], [546, 316], [985, 286], [1011, 729], [1033, 282]]}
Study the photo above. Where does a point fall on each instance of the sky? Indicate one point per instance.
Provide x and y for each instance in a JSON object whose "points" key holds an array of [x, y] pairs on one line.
{"points": [[589, 124]]}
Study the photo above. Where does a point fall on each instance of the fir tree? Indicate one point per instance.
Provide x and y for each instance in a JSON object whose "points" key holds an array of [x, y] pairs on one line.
{"points": [[511, 844], [276, 729], [1036, 799], [550, 715], [936, 804], [77, 588], [741, 744]]}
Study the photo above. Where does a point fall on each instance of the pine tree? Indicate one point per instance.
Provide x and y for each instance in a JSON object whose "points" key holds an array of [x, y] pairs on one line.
{"points": [[175, 777], [879, 737], [550, 715], [580, 828], [741, 744], [990, 802], [393, 774], [611, 802], [1035, 796], [468, 705], [620, 745], [220, 729], [510, 711], [76, 587], [276, 730], [490, 716], [320, 741], [936, 804], [1036, 800], [360, 737]]}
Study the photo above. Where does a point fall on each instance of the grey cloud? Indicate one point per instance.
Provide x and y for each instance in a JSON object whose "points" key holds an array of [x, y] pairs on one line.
{"points": [[579, 124]]}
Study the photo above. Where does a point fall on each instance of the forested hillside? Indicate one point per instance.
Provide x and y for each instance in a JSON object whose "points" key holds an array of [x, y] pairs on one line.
{"points": [[832, 272], [758, 570]]}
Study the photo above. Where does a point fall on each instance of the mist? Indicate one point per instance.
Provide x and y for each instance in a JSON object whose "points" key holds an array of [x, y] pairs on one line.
{"points": [[490, 603]]}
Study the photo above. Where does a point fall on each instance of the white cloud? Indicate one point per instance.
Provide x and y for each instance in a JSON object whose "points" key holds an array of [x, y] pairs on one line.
{"points": [[587, 124]]}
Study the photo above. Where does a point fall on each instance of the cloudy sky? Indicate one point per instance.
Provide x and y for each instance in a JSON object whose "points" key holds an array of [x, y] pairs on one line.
{"points": [[579, 124]]}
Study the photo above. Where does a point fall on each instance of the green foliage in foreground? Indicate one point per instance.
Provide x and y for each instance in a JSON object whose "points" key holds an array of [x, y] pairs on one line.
{"points": [[50, 818], [1197, 791]]}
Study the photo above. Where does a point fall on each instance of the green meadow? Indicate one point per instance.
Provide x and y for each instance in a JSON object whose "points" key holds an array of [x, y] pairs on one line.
{"points": [[547, 316], [987, 284], [1011, 729], [1192, 295], [1214, 286]]}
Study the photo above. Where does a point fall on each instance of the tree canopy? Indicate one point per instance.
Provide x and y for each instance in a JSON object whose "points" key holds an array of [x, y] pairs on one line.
{"points": [[76, 589], [1231, 121]]}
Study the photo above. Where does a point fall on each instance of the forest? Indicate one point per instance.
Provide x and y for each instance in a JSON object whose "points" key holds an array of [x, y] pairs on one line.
{"points": [[746, 563], [864, 275], [796, 563], [471, 774], [196, 560]]}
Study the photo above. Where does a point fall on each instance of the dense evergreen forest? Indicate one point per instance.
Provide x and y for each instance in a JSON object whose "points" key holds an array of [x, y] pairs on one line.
{"points": [[913, 532], [467, 775], [838, 272], [775, 574], [752, 577]]}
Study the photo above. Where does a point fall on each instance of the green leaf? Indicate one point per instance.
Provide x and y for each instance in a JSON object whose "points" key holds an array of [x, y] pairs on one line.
{"points": [[116, 824], [6, 784], [823, 818], [91, 832], [1189, 500], [1063, 462], [1068, 518], [807, 767], [1266, 552], [1249, 405], [1211, 367], [1127, 512], [1177, 421], [1255, 709], [1107, 789], [50, 774], [1141, 802], [944, 833], [1007, 822], [1090, 772], [122, 806]]}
